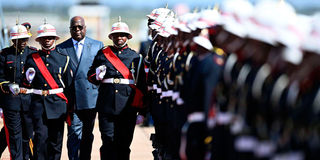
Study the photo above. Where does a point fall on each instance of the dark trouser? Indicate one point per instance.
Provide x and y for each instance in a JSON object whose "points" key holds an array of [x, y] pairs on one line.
{"points": [[87, 117], [159, 112], [48, 137], [117, 133], [223, 143], [176, 122], [27, 135], [74, 138], [3, 141], [195, 148], [13, 123]]}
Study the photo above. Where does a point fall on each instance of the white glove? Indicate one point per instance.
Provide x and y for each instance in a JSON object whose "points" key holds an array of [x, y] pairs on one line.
{"points": [[30, 74], [100, 72], [140, 119], [14, 88]]}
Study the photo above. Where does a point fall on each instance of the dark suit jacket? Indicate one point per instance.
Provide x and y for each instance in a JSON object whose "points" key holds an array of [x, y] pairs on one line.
{"points": [[144, 47]]}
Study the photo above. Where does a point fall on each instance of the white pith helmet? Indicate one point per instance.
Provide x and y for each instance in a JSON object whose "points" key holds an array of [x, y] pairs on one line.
{"points": [[19, 32], [120, 27], [46, 30]]}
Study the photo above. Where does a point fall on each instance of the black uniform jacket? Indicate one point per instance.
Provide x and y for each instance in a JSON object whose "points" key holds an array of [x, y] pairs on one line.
{"points": [[10, 64], [58, 65], [113, 98], [201, 82]]}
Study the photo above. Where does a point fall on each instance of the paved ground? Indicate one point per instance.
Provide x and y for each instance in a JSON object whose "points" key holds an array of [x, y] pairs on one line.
{"points": [[140, 149]]}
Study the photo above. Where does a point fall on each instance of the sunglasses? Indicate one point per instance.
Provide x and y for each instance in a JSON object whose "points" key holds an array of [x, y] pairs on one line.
{"points": [[74, 28]]}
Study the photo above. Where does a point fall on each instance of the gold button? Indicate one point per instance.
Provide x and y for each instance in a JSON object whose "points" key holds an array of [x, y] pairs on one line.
{"points": [[21, 53], [160, 102], [179, 58], [116, 91], [47, 64], [171, 105], [22, 72], [167, 100], [45, 85], [167, 59], [47, 55], [21, 62], [119, 52]]}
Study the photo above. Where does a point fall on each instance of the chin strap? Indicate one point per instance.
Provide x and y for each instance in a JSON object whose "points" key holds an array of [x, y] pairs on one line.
{"points": [[124, 44], [52, 46]]}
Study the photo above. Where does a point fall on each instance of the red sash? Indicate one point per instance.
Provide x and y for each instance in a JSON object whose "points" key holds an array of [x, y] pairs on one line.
{"points": [[125, 72], [46, 74], [7, 136]]}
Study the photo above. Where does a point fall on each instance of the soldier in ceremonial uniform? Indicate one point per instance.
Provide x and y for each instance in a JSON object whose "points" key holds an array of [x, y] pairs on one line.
{"points": [[120, 73], [15, 105], [201, 81], [155, 56], [48, 76]]}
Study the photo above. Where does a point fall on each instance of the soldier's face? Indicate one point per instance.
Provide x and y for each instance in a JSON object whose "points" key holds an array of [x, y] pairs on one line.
{"points": [[77, 29], [47, 41], [119, 39], [20, 43]]}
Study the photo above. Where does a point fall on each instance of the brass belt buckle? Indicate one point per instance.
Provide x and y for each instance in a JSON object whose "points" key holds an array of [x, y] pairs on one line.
{"points": [[23, 91], [116, 80], [45, 92]]}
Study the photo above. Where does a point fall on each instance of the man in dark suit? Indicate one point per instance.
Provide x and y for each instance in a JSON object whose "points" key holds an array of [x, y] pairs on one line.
{"points": [[81, 50], [49, 76], [15, 105], [120, 73]]}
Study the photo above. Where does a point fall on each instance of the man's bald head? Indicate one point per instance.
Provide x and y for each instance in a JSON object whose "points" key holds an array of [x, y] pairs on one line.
{"points": [[77, 28], [78, 19]]}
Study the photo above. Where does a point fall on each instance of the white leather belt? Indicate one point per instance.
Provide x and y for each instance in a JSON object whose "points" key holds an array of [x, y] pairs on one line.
{"points": [[47, 92], [224, 118], [175, 95], [41, 92], [150, 88], [245, 143], [26, 91], [118, 81], [196, 117], [164, 94]]}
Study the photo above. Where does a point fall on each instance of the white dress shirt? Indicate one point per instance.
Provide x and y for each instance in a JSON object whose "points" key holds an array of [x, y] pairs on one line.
{"points": [[78, 46]]}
